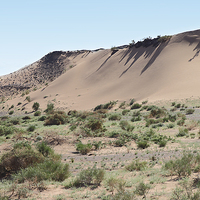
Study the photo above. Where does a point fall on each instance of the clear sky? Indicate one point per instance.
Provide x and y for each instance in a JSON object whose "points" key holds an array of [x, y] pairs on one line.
{"points": [[29, 29]]}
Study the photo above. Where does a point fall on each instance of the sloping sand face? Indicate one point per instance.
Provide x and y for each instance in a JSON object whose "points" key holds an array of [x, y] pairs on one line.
{"points": [[169, 71]]}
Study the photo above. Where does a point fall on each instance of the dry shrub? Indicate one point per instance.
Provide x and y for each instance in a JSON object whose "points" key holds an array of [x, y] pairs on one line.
{"points": [[56, 118], [20, 157], [192, 125]]}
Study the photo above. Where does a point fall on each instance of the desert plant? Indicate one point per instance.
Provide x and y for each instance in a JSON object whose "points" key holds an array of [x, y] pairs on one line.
{"points": [[162, 143], [125, 125], [122, 104], [11, 112], [50, 108], [136, 165], [136, 106], [114, 116], [142, 189], [44, 149], [94, 124], [131, 102], [142, 144], [42, 118], [37, 113], [90, 176], [6, 130], [47, 170], [56, 118], [181, 167], [31, 128], [28, 98], [124, 112], [20, 157], [182, 132], [83, 148], [189, 111], [36, 106]]}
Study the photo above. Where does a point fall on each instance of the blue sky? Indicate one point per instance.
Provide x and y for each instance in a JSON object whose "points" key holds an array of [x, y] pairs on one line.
{"points": [[32, 28]]}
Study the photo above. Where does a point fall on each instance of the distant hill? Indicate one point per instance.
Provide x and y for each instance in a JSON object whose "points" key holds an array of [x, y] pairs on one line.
{"points": [[162, 68]]}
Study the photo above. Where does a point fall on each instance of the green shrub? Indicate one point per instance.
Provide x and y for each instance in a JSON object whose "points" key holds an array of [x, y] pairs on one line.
{"points": [[182, 132], [20, 157], [124, 112], [44, 149], [120, 142], [172, 118], [6, 130], [178, 105], [36, 106], [11, 107], [90, 176], [142, 144], [105, 106], [122, 104], [136, 165], [189, 111], [181, 167], [136, 119], [136, 106], [56, 118], [162, 143], [131, 102], [181, 122], [126, 126], [142, 189], [37, 113], [28, 98], [11, 112], [48, 170], [173, 103], [170, 125], [15, 121], [31, 128], [42, 118], [113, 134], [26, 117], [50, 108], [114, 116], [83, 148], [94, 124]]}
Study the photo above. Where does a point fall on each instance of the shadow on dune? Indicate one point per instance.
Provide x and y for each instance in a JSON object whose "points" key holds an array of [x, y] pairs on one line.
{"points": [[113, 52], [197, 49], [154, 57], [136, 53]]}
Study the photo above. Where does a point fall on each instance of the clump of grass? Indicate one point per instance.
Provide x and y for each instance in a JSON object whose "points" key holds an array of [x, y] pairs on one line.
{"points": [[91, 176], [136, 165], [126, 126], [31, 128], [124, 112], [37, 113], [36, 106], [182, 132], [189, 111], [142, 144], [83, 148], [114, 116]]}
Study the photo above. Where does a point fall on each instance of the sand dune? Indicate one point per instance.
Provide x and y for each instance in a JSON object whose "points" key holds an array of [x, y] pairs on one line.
{"points": [[170, 70]]}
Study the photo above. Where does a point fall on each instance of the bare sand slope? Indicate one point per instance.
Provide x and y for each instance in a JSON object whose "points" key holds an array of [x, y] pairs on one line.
{"points": [[169, 71]]}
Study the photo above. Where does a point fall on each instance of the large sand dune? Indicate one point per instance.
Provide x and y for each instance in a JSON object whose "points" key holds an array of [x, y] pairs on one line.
{"points": [[170, 70]]}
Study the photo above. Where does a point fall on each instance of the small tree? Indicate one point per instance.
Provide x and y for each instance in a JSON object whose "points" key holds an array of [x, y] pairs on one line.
{"points": [[36, 106]]}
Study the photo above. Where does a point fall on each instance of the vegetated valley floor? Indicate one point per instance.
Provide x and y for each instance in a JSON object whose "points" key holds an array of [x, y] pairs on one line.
{"points": [[132, 143]]}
